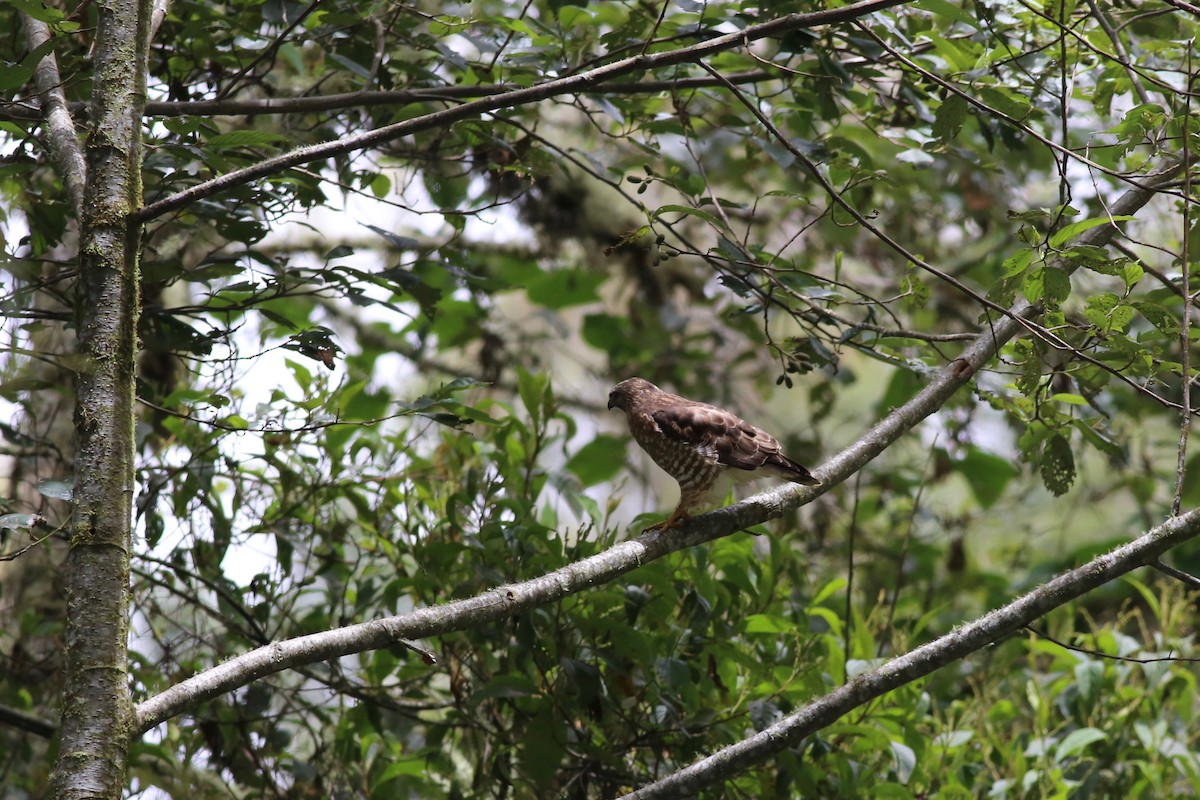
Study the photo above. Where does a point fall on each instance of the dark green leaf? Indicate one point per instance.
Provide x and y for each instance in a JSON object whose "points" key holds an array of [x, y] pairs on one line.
{"points": [[565, 287], [987, 474], [951, 115], [1058, 465], [599, 460]]}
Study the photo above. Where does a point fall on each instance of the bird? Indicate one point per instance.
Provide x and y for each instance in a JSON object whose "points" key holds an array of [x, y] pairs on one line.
{"points": [[698, 444]]}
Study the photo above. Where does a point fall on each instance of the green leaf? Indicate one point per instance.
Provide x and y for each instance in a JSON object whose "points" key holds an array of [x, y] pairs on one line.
{"points": [[1089, 677], [43, 12], [507, 686], [13, 77], [1069, 399], [952, 740], [768, 623], [1006, 102], [1058, 465], [534, 388], [1077, 740], [1068, 232], [688, 210], [1034, 285], [566, 287], [1158, 316], [827, 591], [410, 766], [915, 288], [599, 460], [987, 474], [381, 185], [1099, 438], [1058, 285], [1046, 283], [606, 331], [903, 386], [1018, 261], [951, 11], [951, 115], [447, 192], [244, 138]]}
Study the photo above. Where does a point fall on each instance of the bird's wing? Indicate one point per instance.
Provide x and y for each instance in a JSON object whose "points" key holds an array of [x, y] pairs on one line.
{"points": [[725, 439]]}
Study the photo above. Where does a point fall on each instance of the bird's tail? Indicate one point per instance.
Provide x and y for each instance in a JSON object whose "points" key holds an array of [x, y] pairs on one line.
{"points": [[784, 467]]}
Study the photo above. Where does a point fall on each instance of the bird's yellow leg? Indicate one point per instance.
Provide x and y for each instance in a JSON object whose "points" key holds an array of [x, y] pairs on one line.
{"points": [[677, 516]]}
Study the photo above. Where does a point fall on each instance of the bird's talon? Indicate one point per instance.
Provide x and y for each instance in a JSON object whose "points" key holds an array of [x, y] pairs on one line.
{"points": [[667, 524]]}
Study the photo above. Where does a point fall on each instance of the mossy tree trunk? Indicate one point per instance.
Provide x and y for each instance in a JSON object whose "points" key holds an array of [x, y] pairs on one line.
{"points": [[97, 707]]}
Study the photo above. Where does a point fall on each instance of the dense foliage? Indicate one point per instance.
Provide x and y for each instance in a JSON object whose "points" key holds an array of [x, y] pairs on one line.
{"points": [[373, 379]]}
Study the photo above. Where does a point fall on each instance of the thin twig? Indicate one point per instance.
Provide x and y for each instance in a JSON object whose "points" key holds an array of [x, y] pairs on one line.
{"points": [[926, 476], [269, 51], [848, 622], [1178, 574], [1101, 654], [1185, 322], [1122, 56]]}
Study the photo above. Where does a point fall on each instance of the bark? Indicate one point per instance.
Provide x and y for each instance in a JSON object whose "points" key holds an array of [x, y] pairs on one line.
{"points": [[33, 584], [97, 708], [64, 142]]}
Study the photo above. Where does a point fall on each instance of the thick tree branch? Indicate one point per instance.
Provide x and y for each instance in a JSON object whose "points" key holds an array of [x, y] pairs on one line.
{"points": [[581, 82], [920, 662], [624, 557]]}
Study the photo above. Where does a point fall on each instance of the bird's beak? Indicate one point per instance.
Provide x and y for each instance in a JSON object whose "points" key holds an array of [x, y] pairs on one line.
{"points": [[610, 404]]}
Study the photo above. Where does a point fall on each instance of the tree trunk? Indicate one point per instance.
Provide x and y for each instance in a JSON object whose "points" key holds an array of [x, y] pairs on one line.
{"points": [[97, 708]]}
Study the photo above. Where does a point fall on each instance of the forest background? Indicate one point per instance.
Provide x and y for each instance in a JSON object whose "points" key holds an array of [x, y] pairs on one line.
{"points": [[311, 310]]}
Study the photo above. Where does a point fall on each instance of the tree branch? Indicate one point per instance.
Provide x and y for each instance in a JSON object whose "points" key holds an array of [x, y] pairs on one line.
{"points": [[64, 139], [27, 722], [581, 82], [396, 98], [509, 600], [920, 662]]}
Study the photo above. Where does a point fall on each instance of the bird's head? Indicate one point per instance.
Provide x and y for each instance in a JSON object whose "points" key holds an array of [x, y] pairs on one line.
{"points": [[625, 392]]}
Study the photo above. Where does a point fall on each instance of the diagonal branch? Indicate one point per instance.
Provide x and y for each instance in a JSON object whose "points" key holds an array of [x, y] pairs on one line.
{"points": [[64, 140], [515, 598], [925, 659], [581, 82], [396, 98], [509, 600]]}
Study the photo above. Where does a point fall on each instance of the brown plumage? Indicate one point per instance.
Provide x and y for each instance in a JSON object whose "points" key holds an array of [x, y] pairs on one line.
{"points": [[697, 444]]}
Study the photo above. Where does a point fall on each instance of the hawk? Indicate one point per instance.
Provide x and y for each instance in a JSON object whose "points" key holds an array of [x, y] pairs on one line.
{"points": [[698, 444]]}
